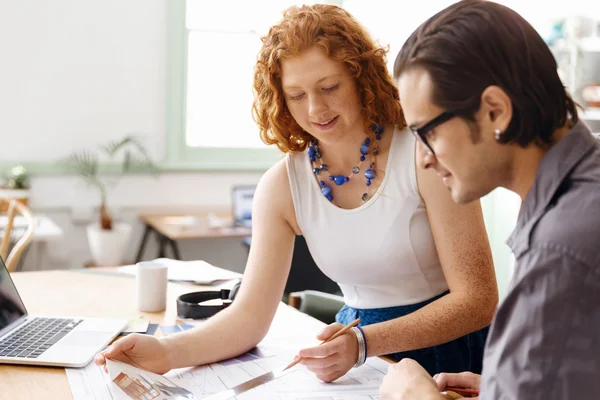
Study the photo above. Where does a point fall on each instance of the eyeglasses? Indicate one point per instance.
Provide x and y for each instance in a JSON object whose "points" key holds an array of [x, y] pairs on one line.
{"points": [[421, 133]]}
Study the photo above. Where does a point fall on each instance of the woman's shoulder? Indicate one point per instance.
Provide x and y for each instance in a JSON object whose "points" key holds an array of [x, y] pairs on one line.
{"points": [[273, 192], [275, 176]]}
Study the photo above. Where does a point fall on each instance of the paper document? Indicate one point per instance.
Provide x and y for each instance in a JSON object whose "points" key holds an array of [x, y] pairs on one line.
{"points": [[199, 272], [271, 355]]}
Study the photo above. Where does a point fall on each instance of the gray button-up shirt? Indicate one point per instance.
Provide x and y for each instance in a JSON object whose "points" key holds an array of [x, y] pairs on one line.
{"points": [[544, 342]]}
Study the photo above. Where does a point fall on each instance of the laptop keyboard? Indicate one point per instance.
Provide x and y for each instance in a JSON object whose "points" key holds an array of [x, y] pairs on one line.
{"points": [[36, 336]]}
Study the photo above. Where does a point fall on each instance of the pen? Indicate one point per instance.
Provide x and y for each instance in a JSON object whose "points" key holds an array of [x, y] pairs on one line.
{"points": [[335, 335]]}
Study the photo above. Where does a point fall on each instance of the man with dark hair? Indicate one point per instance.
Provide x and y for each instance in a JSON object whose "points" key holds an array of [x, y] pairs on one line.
{"points": [[480, 91]]}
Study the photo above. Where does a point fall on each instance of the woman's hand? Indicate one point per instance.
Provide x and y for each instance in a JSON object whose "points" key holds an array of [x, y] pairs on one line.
{"points": [[142, 351], [331, 360]]}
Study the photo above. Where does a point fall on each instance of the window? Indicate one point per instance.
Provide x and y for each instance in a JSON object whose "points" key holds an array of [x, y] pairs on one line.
{"points": [[211, 125]]}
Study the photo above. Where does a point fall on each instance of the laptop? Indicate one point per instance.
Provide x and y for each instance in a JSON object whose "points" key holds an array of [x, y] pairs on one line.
{"points": [[242, 197], [48, 341]]}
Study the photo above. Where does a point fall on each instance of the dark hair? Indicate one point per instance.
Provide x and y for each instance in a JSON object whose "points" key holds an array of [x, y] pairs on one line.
{"points": [[474, 44]]}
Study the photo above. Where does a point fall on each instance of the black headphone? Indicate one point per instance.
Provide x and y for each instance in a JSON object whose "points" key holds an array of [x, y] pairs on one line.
{"points": [[189, 304]]}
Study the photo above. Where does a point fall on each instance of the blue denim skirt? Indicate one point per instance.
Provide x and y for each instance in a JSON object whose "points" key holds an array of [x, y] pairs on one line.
{"points": [[462, 354]]}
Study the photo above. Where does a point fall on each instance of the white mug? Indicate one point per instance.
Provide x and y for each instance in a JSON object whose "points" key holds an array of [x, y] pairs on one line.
{"points": [[151, 286]]}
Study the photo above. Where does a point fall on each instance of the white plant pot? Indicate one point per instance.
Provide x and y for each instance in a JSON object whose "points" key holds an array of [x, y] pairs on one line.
{"points": [[108, 247]]}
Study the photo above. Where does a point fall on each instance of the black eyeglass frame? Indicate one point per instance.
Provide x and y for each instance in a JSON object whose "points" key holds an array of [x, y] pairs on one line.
{"points": [[420, 133]]}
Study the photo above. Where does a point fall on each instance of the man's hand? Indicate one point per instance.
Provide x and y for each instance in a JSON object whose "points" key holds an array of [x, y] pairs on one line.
{"points": [[407, 380], [465, 380]]}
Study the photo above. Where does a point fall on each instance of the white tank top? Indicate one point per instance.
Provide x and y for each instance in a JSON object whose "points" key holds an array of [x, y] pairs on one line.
{"points": [[382, 253]]}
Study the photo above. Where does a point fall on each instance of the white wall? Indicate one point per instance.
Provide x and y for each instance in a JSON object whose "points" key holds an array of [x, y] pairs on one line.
{"points": [[78, 73], [75, 73]]}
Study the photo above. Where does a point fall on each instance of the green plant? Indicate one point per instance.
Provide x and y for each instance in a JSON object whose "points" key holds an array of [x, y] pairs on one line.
{"points": [[133, 158], [17, 178]]}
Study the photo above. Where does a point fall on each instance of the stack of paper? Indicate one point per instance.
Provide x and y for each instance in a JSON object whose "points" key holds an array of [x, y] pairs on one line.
{"points": [[198, 272]]}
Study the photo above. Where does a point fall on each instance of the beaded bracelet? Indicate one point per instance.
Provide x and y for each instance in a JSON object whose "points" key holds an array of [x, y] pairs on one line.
{"points": [[362, 355]]}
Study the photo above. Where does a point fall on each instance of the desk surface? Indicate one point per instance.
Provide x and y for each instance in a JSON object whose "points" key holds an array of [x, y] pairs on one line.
{"points": [[194, 225], [95, 293], [98, 293]]}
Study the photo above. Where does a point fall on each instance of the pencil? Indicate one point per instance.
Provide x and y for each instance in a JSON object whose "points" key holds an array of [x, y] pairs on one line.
{"points": [[335, 335], [463, 390]]}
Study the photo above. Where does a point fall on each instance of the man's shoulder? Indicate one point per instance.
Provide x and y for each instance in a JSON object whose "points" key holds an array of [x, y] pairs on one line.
{"points": [[572, 221]]}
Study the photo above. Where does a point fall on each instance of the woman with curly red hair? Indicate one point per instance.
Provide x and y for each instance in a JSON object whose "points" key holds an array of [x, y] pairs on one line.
{"points": [[413, 266]]}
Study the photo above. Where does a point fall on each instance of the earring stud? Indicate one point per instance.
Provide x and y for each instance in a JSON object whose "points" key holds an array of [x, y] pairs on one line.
{"points": [[497, 133]]}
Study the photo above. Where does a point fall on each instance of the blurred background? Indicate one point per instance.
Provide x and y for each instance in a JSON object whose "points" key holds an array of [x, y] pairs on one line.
{"points": [[136, 115]]}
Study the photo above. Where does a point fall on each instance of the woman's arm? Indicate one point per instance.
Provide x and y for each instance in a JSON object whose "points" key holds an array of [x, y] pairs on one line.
{"points": [[464, 251], [241, 326]]}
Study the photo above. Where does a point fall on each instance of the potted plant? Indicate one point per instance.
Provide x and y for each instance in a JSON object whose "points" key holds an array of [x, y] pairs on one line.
{"points": [[16, 186], [107, 238]]}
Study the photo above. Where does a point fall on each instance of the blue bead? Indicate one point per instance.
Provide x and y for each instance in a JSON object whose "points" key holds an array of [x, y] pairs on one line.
{"points": [[346, 179], [368, 182], [317, 171], [326, 190], [378, 137], [362, 158], [379, 129], [364, 149], [371, 165], [324, 167], [312, 151], [368, 141], [322, 183], [330, 197], [369, 174], [339, 180], [312, 159], [318, 154], [331, 177]]}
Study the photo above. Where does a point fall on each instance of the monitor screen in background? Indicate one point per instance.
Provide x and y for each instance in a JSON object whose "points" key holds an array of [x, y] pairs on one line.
{"points": [[242, 202]]}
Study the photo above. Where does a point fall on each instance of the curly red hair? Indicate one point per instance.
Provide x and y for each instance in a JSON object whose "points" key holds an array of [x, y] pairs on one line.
{"points": [[343, 39]]}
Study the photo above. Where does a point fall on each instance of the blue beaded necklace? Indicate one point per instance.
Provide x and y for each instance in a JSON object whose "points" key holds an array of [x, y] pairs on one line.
{"points": [[314, 154]]}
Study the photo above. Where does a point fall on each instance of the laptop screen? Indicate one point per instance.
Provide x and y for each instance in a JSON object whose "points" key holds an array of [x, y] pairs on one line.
{"points": [[11, 305]]}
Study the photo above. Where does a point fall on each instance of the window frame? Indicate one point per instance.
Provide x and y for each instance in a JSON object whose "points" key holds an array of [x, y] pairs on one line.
{"points": [[178, 154]]}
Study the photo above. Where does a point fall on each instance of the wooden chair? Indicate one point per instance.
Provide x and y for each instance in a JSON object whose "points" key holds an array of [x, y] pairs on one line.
{"points": [[13, 207]]}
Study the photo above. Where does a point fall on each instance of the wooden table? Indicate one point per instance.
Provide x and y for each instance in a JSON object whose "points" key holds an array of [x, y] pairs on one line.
{"points": [[94, 293], [170, 227], [100, 292]]}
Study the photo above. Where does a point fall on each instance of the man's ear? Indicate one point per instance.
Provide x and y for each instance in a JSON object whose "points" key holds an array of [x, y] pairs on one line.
{"points": [[496, 108]]}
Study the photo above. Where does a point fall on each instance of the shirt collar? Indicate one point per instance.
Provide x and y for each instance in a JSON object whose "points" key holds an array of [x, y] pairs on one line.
{"points": [[554, 168]]}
